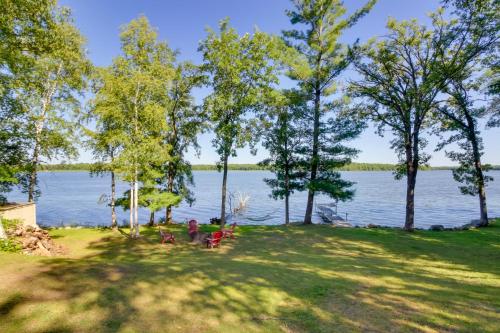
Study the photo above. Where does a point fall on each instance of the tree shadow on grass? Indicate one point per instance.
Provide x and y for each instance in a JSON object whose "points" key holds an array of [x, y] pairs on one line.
{"points": [[300, 279]]}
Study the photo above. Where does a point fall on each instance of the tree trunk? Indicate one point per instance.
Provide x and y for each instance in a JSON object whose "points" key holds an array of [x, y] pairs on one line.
{"points": [[287, 209], [151, 219], [411, 151], [168, 215], [136, 208], [132, 197], [114, 223], [224, 188], [170, 188], [33, 171], [314, 159], [287, 189], [410, 198], [483, 209], [3, 235]]}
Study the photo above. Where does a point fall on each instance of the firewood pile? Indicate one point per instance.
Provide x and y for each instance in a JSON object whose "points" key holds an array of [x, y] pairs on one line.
{"points": [[36, 241]]}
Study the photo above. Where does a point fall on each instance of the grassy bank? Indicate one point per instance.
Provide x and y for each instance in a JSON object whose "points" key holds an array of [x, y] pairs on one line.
{"points": [[270, 279]]}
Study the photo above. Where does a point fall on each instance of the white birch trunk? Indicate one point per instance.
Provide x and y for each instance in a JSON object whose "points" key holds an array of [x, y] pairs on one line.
{"points": [[39, 125], [131, 207], [3, 235], [136, 208]]}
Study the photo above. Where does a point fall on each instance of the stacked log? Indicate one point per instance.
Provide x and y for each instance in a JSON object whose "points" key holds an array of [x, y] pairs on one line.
{"points": [[36, 241]]}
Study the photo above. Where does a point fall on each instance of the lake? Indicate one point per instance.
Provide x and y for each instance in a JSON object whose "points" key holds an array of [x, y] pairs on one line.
{"points": [[72, 198]]}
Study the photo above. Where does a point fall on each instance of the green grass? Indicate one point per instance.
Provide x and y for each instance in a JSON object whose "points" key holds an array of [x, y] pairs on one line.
{"points": [[270, 279]]}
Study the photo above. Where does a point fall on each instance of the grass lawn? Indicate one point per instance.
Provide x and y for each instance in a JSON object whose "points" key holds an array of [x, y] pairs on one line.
{"points": [[270, 279]]}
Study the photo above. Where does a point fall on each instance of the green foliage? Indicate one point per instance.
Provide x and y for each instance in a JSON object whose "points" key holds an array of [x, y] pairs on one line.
{"points": [[150, 197], [283, 137], [129, 109], [128, 105], [46, 96], [10, 225], [10, 245], [241, 74], [6, 228], [322, 59], [186, 121], [26, 31], [460, 118]]}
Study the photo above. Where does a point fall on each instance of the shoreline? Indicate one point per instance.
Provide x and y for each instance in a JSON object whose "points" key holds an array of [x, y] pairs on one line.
{"points": [[437, 227]]}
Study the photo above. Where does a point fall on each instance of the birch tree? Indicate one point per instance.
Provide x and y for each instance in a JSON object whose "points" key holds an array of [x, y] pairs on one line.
{"points": [[105, 138], [131, 94], [48, 96], [324, 22], [241, 72], [28, 30]]}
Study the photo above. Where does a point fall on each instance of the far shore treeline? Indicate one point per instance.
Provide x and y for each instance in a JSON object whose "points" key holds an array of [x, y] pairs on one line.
{"points": [[252, 167], [417, 83]]}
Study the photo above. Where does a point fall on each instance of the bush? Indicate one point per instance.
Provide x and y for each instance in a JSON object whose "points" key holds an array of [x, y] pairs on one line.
{"points": [[9, 245]]}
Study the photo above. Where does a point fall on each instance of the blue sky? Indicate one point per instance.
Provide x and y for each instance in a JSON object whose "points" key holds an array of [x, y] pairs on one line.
{"points": [[182, 24]]}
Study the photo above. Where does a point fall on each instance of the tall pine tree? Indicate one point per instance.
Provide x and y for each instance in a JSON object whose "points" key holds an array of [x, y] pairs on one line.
{"points": [[326, 58]]}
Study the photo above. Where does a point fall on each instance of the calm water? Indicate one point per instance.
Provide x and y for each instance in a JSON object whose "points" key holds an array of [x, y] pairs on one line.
{"points": [[72, 198]]}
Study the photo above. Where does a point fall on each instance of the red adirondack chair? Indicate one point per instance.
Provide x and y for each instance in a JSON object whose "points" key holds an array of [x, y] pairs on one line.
{"points": [[192, 228], [214, 239], [166, 237], [229, 232]]}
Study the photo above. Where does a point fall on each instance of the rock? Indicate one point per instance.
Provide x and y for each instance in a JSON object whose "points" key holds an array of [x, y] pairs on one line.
{"points": [[436, 227]]}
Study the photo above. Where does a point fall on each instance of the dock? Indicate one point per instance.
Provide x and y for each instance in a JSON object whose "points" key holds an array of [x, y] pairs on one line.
{"points": [[328, 213]]}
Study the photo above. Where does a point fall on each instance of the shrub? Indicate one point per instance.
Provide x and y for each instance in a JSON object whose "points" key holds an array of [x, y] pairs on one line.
{"points": [[9, 245]]}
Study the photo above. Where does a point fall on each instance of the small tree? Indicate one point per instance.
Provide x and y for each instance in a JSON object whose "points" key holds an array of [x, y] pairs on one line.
{"points": [[105, 144], [241, 72], [282, 139], [460, 116], [186, 121]]}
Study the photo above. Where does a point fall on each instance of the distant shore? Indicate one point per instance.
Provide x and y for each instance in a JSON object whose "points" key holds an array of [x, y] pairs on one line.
{"points": [[250, 167]]}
